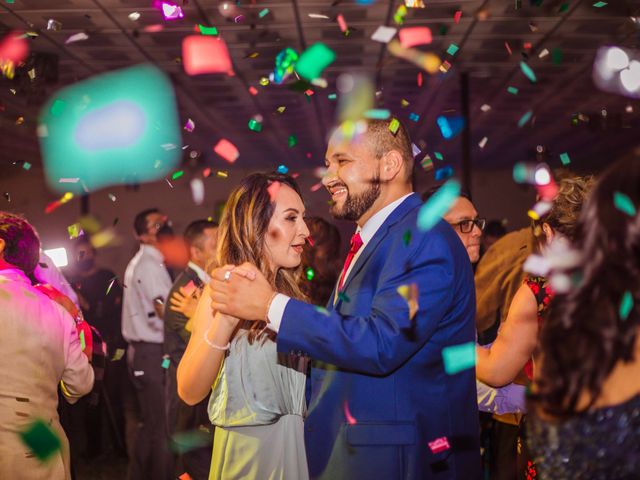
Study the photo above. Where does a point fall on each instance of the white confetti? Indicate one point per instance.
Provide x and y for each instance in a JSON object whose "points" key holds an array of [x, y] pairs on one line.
{"points": [[77, 37], [384, 34]]}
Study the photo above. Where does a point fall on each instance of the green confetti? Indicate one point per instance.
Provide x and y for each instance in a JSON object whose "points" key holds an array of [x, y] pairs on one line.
{"points": [[26, 166], [458, 358], [433, 209], [426, 163], [166, 361], [438, 156], [377, 114], [83, 343], [183, 442], [41, 439], [119, 353], [626, 304], [322, 310], [314, 60], [57, 108], [526, 69], [310, 273], [442, 31], [453, 49], [406, 238], [255, 125], [525, 118], [293, 141], [556, 56], [332, 96], [343, 296], [564, 158], [600, 4], [207, 30], [512, 90], [394, 125], [564, 7], [74, 231], [177, 175], [624, 203]]}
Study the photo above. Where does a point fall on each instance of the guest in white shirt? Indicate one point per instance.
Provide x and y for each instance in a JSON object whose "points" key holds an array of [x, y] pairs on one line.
{"points": [[40, 349], [147, 283]]}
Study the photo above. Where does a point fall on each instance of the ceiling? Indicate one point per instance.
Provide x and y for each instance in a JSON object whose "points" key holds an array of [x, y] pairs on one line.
{"points": [[221, 105]]}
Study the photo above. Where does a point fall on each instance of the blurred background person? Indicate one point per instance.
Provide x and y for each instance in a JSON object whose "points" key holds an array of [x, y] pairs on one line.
{"points": [[201, 238], [508, 359], [147, 283], [493, 231], [585, 415], [321, 260], [41, 348]]}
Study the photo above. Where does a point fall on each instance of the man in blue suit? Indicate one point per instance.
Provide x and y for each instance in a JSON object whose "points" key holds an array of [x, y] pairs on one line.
{"points": [[382, 405]]}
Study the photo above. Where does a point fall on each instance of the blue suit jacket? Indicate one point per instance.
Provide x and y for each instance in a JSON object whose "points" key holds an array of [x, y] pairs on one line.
{"points": [[382, 394]]}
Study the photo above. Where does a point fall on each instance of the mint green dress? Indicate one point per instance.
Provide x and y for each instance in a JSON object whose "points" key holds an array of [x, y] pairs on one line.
{"points": [[258, 406]]}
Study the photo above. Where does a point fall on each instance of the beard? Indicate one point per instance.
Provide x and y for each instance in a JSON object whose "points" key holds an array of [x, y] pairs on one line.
{"points": [[355, 206]]}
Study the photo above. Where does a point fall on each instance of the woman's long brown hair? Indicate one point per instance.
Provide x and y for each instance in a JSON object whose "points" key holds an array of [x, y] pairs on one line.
{"points": [[242, 232]]}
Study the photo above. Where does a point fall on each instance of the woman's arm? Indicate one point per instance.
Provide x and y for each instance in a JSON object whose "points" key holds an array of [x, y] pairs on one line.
{"points": [[516, 341], [201, 362]]}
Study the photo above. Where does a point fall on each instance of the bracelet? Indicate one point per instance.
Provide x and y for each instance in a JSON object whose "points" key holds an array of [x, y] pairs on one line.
{"points": [[213, 345], [266, 315]]}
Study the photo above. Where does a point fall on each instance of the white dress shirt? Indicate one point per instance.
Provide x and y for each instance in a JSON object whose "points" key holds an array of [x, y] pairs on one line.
{"points": [[368, 230], [145, 279], [202, 275]]}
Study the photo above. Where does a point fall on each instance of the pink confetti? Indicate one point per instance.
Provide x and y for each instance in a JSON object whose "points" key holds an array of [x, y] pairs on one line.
{"points": [[347, 414], [189, 288], [412, 36], [316, 187], [311, 242], [419, 79], [227, 150], [527, 45], [309, 92], [171, 11], [153, 28], [273, 189], [439, 445], [457, 16], [205, 54], [506, 45], [190, 125], [253, 91], [342, 23], [206, 172], [13, 48]]}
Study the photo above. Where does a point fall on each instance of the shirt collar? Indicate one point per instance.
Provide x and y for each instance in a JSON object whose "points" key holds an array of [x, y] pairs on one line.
{"points": [[372, 225], [15, 274], [152, 252], [202, 275]]}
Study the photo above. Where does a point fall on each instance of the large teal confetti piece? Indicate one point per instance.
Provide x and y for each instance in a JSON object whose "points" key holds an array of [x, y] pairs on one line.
{"points": [[526, 69], [564, 158], [377, 114], [458, 358], [41, 439], [626, 304], [314, 60], [623, 203], [525, 118], [438, 205], [115, 128]]}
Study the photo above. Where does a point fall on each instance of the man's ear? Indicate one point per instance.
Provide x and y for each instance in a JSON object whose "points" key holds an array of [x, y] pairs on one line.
{"points": [[391, 165]]}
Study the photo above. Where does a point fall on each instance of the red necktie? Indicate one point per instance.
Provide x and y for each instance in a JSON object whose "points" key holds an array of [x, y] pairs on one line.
{"points": [[356, 243]]}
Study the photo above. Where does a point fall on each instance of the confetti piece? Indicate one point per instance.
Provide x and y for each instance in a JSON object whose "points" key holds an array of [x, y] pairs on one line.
{"points": [[406, 238], [342, 23], [378, 114], [116, 140], [171, 11], [626, 305], [273, 190], [443, 173], [253, 90], [600, 4], [205, 54], [26, 166], [347, 414], [255, 125], [185, 476], [112, 197], [453, 49], [213, 31], [83, 343], [438, 156], [134, 16], [344, 297], [412, 36], [485, 108], [410, 294], [450, 126], [314, 60], [623, 203], [183, 442], [439, 445], [166, 361], [177, 175], [310, 273], [227, 150], [77, 37], [384, 34], [426, 163], [508, 47], [564, 158], [118, 354], [401, 12], [483, 142], [263, 13], [512, 90], [526, 69], [292, 141], [525, 118], [153, 28], [190, 125], [414, 3], [54, 25], [433, 209], [539, 210], [113, 280], [394, 125], [40, 439], [556, 56], [458, 358], [285, 63], [457, 16], [282, 169], [543, 53], [318, 15], [197, 191], [74, 231], [414, 117]]}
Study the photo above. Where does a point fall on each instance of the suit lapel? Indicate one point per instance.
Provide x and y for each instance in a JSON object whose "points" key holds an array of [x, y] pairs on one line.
{"points": [[398, 214]]}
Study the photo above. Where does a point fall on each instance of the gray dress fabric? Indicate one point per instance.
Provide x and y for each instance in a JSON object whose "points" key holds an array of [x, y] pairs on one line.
{"points": [[258, 406]]}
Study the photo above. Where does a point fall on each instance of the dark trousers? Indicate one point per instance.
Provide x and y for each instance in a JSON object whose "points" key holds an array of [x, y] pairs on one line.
{"points": [[194, 459], [150, 452]]}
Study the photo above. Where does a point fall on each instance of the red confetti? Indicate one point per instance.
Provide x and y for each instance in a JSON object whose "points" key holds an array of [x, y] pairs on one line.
{"points": [[206, 172], [419, 79], [439, 445], [273, 189], [253, 91], [311, 242], [13, 48], [347, 414], [342, 23], [412, 36], [227, 150], [205, 54], [506, 45], [456, 16], [316, 187], [527, 45]]}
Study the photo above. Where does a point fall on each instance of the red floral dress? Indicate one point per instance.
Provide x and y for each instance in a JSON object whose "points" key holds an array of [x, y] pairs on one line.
{"points": [[544, 294]]}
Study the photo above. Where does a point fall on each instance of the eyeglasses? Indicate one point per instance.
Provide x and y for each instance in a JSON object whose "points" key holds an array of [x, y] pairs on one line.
{"points": [[465, 226]]}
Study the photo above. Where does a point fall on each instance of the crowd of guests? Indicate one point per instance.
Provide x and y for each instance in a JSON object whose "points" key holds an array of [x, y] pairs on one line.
{"points": [[267, 355]]}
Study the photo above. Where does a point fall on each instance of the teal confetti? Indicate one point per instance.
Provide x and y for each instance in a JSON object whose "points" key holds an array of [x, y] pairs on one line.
{"points": [[525, 118], [41, 439], [177, 175], [624, 204], [414, 117], [526, 69], [166, 362], [626, 304], [263, 13], [438, 156], [322, 310], [26, 166], [600, 4], [438, 205], [207, 30], [255, 125], [183, 442], [332, 96], [564, 158], [556, 56], [377, 114], [458, 358], [344, 297], [283, 169], [512, 90], [453, 49], [406, 238]]}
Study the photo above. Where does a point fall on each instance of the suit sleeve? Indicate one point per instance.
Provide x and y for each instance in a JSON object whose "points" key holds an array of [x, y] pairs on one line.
{"points": [[378, 343]]}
